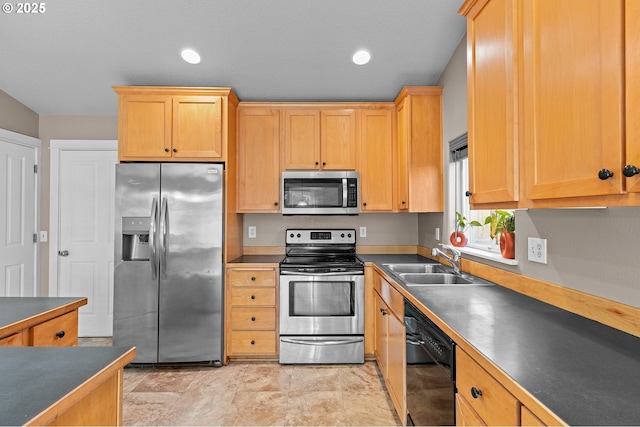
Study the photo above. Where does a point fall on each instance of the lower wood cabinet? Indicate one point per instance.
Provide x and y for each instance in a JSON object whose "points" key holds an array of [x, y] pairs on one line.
{"points": [[252, 312], [60, 331], [481, 399], [390, 347]]}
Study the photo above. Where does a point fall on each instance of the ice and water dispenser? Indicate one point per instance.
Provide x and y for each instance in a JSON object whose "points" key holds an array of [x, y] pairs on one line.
{"points": [[135, 238]]}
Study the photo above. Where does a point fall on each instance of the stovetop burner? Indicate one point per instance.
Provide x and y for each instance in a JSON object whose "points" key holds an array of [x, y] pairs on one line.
{"points": [[316, 250]]}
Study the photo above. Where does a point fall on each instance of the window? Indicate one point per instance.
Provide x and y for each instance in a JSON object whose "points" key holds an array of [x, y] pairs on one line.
{"points": [[478, 236]]}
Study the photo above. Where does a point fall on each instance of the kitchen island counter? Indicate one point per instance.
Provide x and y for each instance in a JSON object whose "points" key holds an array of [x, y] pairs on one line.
{"points": [[581, 370], [62, 385], [18, 314]]}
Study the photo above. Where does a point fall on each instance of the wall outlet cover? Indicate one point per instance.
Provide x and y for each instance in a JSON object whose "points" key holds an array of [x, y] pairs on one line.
{"points": [[537, 250], [363, 231], [252, 232]]}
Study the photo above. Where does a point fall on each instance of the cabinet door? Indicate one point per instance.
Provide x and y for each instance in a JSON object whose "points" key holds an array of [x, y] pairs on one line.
{"points": [[397, 363], [258, 160], [573, 97], [338, 139], [493, 106], [144, 127], [465, 415], [301, 148], [197, 127], [381, 326], [632, 73], [376, 160], [402, 168]]}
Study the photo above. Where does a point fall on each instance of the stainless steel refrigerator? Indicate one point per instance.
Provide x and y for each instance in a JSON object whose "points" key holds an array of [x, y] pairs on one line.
{"points": [[168, 272]]}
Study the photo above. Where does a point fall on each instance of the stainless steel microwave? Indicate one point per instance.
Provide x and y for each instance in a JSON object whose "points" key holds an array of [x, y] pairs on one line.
{"points": [[321, 193]]}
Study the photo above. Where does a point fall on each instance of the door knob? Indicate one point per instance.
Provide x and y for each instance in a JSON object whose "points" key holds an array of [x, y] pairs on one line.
{"points": [[63, 253]]}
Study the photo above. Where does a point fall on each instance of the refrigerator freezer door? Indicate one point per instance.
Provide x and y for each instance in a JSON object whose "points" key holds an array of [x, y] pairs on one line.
{"points": [[191, 279], [135, 306]]}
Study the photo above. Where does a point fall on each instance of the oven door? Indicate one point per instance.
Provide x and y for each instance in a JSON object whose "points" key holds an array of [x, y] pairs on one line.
{"points": [[322, 304]]}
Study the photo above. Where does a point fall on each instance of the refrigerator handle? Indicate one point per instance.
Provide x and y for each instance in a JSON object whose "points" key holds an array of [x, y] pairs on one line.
{"points": [[163, 238], [153, 227]]}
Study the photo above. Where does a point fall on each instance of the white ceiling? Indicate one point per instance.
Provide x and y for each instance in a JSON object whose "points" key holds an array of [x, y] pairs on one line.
{"points": [[65, 60]]}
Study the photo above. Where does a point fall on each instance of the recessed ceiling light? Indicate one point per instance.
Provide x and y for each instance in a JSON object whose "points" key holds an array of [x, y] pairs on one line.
{"points": [[190, 55], [361, 57]]}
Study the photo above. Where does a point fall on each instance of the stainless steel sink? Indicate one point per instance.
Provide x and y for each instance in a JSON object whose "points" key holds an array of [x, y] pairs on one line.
{"points": [[416, 268], [413, 279]]}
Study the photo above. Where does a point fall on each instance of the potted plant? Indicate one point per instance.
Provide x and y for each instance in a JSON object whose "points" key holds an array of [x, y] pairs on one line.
{"points": [[503, 228], [458, 238]]}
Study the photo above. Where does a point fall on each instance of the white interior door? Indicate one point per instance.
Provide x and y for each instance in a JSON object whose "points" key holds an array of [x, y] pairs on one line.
{"points": [[17, 220], [85, 235]]}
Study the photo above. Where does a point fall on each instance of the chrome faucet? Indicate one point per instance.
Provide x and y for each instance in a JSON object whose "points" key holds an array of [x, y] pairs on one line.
{"points": [[453, 260]]}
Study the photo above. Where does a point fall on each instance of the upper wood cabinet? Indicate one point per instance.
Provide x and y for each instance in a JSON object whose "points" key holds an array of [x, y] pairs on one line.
{"points": [[419, 150], [573, 83], [555, 85], [492, 102], [258, 159], [319, 139], [376, 159], [173, 124]]}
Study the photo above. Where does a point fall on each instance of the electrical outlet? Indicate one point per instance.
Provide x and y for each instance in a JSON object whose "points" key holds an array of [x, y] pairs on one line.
{"points": [[363, 231], [537, 250], [437, 234], [252, 231]]}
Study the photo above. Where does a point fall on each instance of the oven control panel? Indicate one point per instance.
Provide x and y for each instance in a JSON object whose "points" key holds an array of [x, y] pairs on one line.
{"points": [[306, 236]]}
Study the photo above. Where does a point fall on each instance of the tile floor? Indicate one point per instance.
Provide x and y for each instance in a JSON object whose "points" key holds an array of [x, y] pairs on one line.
{"points": [[257, 394]]}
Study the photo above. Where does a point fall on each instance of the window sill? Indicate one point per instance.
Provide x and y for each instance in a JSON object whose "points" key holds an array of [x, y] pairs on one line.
{"points": [[492, 256]]}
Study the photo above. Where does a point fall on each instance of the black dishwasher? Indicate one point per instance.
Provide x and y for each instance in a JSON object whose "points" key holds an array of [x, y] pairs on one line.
{"points": [[430, 371]]}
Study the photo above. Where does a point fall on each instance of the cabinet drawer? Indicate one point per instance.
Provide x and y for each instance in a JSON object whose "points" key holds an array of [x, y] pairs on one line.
{"points": [[254, 319], [61, 331], [253, 342], [14, 340], [391, 297], [253, 296], [496, 406], [253, 278]]}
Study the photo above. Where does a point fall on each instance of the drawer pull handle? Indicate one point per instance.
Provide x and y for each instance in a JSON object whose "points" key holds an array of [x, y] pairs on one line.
{"points": [[253, 279], [60, 334], [253, 297], [475, 392], [253, 319], [253, 342]]}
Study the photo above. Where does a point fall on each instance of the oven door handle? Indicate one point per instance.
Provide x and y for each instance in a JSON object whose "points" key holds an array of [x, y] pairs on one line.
{"points": [[329, 273], [322, 343]]}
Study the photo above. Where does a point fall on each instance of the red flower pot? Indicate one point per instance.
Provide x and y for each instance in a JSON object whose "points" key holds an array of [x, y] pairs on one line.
{"points": [[508, 245], [458, 238]]}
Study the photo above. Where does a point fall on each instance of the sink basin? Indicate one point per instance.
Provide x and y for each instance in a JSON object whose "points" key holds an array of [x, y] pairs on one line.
{"points": [[417, 279], [416, 268]]}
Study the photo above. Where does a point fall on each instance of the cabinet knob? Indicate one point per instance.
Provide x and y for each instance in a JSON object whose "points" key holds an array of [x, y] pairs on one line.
{"points": [[253, 279], [175, 150], [605, 174], [404, 203], [253, 297], [166, 150], [383, 311], [275, 204], [364, 204], [630, 170], [324, 163], [476, 392], [317, 163], [253, 318], [468, 193], [60, 334], [253, 342]]}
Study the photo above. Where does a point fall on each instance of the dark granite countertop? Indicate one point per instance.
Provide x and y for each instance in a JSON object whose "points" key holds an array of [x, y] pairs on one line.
{"points": [[583, 371], [34, 378], [18, 309]]}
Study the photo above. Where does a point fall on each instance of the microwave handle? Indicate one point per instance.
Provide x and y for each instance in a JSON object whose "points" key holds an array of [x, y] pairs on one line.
{"points": [[345, 192]]}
